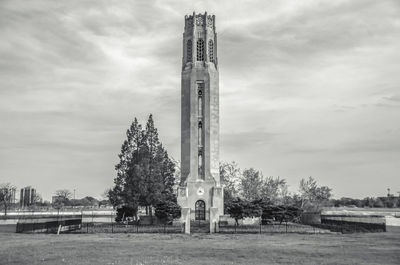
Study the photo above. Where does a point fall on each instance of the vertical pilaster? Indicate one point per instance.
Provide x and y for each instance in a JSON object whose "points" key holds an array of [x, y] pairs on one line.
{"points": [[185, 217]]}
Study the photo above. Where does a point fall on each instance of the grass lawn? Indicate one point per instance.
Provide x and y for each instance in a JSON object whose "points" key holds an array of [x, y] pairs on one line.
{"points": [[371, 248]]}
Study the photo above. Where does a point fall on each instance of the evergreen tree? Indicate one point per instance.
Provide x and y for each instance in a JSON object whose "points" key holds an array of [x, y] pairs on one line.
{"points": [[129, 170], [167, 208], [167, 171], [152, 182], [145, 173]]}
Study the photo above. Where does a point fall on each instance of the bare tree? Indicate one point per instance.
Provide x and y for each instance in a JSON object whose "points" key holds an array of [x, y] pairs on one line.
{"points": [[64, 195], [37, 198], [6, 192]]}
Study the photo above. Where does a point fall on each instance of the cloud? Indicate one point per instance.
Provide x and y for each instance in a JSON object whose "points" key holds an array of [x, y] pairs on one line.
{"points": [[395, 98]]}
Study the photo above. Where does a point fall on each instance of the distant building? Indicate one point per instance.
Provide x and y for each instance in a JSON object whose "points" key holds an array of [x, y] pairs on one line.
{"points": [[27, 196], [12, 198]]}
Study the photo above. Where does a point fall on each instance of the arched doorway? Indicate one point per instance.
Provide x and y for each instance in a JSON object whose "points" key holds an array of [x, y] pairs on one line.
{"points": [[200, 210]]}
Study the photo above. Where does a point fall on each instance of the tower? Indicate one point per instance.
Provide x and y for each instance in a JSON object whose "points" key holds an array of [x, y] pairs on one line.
{"points": [[200, 191]]}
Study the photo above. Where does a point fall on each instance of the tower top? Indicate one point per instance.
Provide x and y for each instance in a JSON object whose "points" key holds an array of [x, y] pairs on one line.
{"points": [[199, 20], [200, 41]]}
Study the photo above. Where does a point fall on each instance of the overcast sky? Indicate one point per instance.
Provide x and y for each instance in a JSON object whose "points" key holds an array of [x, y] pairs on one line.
{"points": [[307, 88]]}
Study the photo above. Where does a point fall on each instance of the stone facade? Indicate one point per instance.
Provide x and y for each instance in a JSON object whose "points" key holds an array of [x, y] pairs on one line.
{"points": [[200, 178]]}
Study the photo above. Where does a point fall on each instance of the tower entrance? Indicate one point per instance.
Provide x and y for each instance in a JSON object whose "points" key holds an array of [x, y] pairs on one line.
{"points": [[200, 210]]}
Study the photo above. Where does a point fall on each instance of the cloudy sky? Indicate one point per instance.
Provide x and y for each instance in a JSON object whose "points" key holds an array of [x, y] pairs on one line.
{"points": [[307, 88]]}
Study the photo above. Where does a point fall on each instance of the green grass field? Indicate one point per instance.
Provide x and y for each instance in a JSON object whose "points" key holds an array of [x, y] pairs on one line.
{"points": [[371, 248]]}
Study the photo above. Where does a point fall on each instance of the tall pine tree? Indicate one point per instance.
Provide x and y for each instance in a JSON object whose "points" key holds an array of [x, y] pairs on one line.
{"points": [[145, 173]]}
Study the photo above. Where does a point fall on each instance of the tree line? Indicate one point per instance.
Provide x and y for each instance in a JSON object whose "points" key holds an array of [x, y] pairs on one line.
{"points": [[248, 193], [251, 185]]}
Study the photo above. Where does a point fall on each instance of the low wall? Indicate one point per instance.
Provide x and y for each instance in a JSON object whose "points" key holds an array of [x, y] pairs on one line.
{"points": [[369, 219], [361, 211], [351, 224], [101, 216], [392, 224], [49, 225]]}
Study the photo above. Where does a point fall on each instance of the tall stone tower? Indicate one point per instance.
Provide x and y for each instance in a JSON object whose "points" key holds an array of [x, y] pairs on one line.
{"points": [[200, 191]]}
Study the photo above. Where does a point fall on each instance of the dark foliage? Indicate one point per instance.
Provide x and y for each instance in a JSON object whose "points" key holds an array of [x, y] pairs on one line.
{"points": [[167, 209], [236, 208], [125, 212], [239, 209], [144, 172]]}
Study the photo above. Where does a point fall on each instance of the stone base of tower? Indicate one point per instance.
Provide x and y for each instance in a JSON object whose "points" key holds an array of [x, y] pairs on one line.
{"points": [[206, 202]]}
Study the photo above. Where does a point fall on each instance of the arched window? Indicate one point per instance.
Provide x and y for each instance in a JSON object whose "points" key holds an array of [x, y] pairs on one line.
{"points": [[200, 50], [200, 162], [200, 210], [211, 50], [189, 51], [200, 104], [200, 133]]}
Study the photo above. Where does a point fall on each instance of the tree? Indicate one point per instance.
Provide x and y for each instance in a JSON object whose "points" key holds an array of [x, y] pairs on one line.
{"points": [[274, 189], [160, 169], [64, 194], [105, 201], [230, 175], [167, 170], [37, 198], [62, 198], [144, 172], [126, 189], [7, 191], [313, 196], [236, 209], [177, 174], [250, 184], [378, 203], [368, 202], [167, 209], [124, 213], [253, 208], [281, 213], [36, 201]]}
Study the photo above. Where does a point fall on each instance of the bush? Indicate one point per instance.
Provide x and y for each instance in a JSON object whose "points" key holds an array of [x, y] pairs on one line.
{"points": [[168, 209], [124, 212], [238, 209]]}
